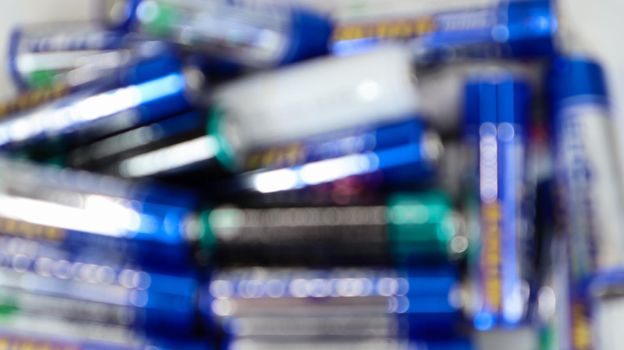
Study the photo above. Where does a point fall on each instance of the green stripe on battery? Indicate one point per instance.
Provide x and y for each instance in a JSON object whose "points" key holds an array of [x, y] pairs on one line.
{"points": [[42, 79], [8, 307], [161, 20], [420, 224], [207, 237], [225, 154], [547, 338]]}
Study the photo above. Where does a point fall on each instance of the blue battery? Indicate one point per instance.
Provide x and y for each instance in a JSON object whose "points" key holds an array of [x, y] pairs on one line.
{"points": [[78, 211], [336, 144], [497, 108], [587, 173], [142, 300], [417, 303], [587, 165], [258, 37], [405, 154], [513, 28], [149, 91], [141, 63]]}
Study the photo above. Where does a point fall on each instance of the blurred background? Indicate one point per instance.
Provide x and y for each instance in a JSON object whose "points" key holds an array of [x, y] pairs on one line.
{"points": [[204, 215]]}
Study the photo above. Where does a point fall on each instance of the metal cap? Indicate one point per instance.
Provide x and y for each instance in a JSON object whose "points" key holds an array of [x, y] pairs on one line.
{"points": [[495, 98], [528, 27], [576, 79]]}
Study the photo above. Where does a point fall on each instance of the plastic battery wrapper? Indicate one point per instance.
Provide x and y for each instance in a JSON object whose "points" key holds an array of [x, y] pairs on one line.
{"points": [[337, 303], [511, 28], [419, 229], [80, 212], [43, 54], [149, 91], [496, 112], [259, 37]]}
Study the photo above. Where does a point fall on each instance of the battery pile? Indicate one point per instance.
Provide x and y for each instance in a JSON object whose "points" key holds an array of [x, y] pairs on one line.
{"points": [[236, 174]]}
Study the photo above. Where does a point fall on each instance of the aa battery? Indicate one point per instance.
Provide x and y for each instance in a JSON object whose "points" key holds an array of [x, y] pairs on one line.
{"points": [[415, 228], [149, 91], [496, 123], [257, 302], [259, 37], [80, 212]]}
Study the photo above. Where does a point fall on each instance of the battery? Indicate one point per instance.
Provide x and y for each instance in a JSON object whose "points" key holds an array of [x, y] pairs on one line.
{"points": [[39, 54], [510, 28], [100, 155], [76, 211], [415, 228], [496, 106], [590, 189], [96, 308], [400, 166], [515, 30], [374, 88], [141, 296], [349, 150], [283, 303], [124, 66], [587, 165], [258, 37], [128, 309], [153, 90], [338, 144]]}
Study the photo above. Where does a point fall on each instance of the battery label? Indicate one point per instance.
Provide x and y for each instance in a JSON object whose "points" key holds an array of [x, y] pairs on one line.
{"points": [[448, 29], [30, 99], [19, 228], [591, 189], [257, 38], [385, 29], [24, 343]]}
